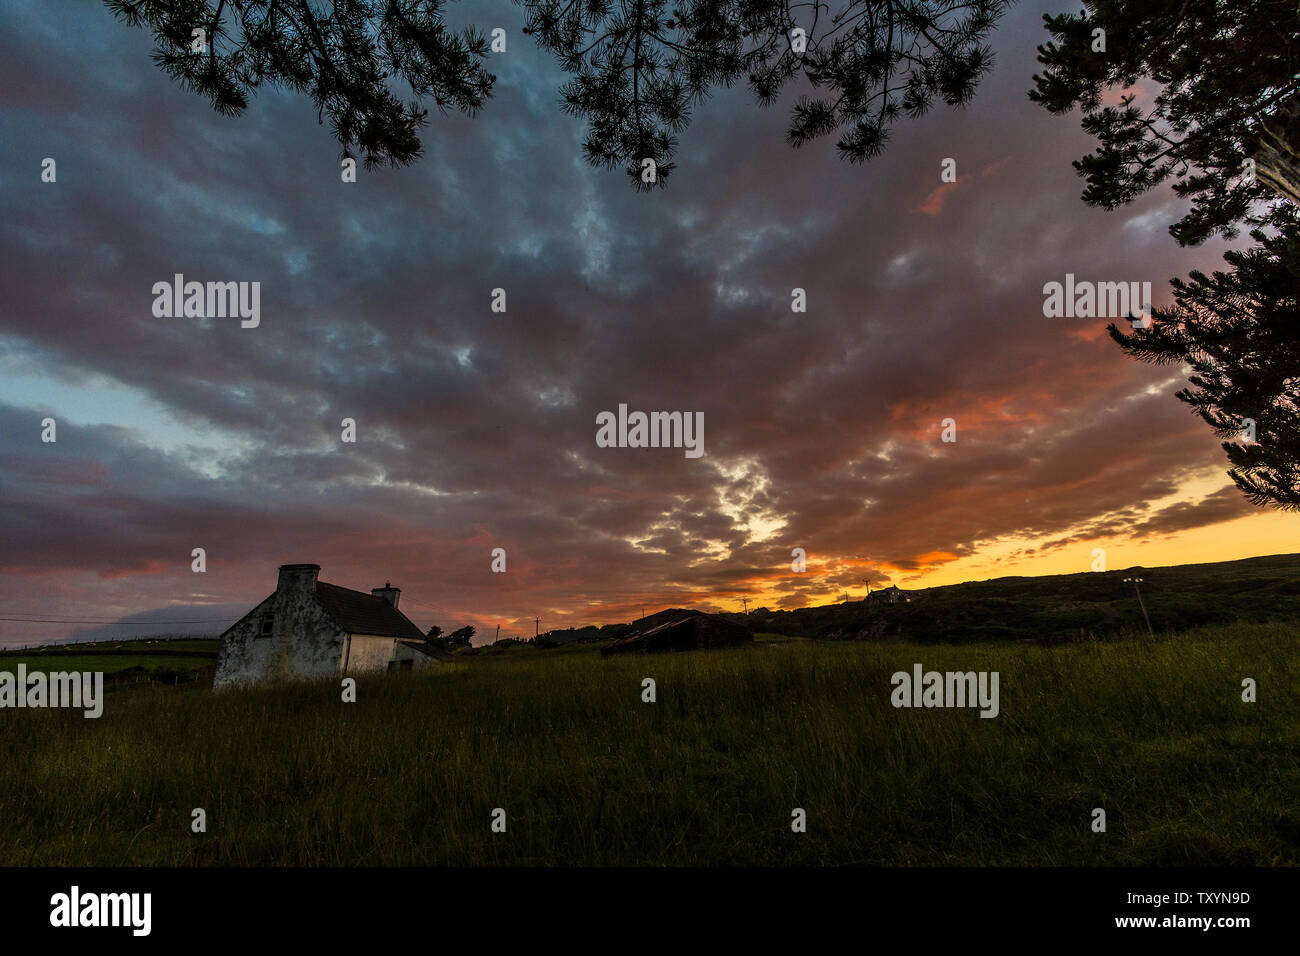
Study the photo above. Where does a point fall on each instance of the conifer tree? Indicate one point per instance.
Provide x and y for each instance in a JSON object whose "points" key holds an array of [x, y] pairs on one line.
{"points": [[1239, 333]]}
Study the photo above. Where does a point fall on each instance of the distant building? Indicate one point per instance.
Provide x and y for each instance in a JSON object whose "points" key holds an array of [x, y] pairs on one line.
{"points": [[889, 595], [309, 628], [570, 635]]}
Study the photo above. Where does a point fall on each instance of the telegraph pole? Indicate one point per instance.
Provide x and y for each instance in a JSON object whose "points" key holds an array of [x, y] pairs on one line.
{"points": [[537, 623], [746, 600], [1142, 604]]}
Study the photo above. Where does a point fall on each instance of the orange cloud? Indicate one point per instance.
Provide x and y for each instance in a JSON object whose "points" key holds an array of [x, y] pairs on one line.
{"points": [[934, 203], [993, 168]]}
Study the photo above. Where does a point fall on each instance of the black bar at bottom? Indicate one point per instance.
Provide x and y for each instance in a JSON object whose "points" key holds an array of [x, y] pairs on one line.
{"points": [[335, 907]]}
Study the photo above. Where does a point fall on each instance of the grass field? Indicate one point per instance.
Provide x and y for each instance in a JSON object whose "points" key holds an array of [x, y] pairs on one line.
{"points": [[122, 662], [1154, 731]]}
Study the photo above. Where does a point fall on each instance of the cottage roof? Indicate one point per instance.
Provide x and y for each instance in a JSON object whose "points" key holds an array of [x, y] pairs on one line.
{"points": [[359, 613], [421, 647]]}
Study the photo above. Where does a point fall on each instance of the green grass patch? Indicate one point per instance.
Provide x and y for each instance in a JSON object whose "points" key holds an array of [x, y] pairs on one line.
{"points": [[166, 661]]}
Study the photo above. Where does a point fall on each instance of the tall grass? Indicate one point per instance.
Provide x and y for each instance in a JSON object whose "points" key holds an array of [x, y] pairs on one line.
{"points": [[1153, 731]]}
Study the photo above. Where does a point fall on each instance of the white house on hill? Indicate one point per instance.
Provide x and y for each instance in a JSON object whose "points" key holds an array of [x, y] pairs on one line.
{"points": [[309, 628], [890, 595]]}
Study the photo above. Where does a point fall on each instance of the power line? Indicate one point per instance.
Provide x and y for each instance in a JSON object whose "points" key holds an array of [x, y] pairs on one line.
{"points": [[431, 607]]}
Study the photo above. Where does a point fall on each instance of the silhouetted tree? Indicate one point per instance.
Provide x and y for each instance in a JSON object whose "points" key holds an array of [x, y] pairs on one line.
{"points": [[639, 66], [460, 637], [1237, 331], [1204, 86], [344, 59]]}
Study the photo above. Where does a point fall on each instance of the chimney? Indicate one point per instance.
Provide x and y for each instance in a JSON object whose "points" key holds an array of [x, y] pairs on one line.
{"points": [[298, 577], [387, 592]]}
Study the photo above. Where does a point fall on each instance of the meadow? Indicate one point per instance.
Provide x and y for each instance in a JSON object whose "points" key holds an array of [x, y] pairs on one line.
{"points": [[1153, 730], [171, 661]]}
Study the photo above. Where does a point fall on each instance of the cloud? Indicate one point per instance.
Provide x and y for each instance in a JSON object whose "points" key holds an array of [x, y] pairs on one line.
{"points": [[476, 428]]}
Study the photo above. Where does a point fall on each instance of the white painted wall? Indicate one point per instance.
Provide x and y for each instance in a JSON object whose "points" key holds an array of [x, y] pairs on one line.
{"points": [[369, 653], [304, 643]]}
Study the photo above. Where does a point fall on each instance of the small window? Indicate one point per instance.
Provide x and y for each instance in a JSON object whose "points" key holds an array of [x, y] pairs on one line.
{"points": [[267, 624]]}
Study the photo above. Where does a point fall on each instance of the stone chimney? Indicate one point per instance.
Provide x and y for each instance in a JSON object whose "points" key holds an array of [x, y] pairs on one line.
{"points": [[387, 592], [298, 577]]}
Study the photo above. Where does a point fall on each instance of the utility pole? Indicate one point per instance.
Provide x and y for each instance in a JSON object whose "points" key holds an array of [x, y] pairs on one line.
{"points": [[498, 632], [1142, 604], [746, 600], [537, 623]]}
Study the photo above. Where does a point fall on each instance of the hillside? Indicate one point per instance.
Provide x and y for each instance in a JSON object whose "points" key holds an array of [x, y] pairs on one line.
{"points": [[1062, 606]]}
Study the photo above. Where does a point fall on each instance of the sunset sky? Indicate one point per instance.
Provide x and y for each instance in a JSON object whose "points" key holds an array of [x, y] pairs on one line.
{"points": [[477, 429]]}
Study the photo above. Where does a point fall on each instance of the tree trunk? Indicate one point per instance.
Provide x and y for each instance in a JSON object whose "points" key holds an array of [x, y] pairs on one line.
{"points": [[1277, 162]]}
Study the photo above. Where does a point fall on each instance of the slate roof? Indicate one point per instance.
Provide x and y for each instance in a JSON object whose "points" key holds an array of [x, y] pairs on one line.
{"points": [[423, 648], [359, 613]]}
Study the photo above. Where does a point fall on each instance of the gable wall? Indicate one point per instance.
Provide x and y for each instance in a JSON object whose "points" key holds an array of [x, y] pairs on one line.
{"points": [[305, 642], [241, 656]]}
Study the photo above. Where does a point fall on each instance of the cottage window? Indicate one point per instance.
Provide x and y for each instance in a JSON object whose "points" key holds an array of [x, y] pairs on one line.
{"points": [[268, 622]]}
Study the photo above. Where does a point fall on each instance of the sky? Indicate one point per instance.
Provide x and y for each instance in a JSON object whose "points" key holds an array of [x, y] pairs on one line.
{"points": [[477, 429]]}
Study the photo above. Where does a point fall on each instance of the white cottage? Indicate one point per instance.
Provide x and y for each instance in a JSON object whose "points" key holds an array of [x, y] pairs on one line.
{"points": [[890, 595], [309, 628]]}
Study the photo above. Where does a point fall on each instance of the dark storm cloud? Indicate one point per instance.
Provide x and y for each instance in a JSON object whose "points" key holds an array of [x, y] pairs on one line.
{"points": [[476, 429]]}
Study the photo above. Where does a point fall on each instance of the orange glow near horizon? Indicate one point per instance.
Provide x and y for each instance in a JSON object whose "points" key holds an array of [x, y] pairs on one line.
{"points": [[1260, 534]]}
